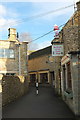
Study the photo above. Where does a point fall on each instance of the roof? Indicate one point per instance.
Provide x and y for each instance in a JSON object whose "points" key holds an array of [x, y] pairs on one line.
{"points": [[41, 52]]}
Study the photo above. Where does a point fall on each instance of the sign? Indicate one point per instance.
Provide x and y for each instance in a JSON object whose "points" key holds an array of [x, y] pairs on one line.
{"points": [[56, 30], [65, 59], [56, 34], [57, 50]]}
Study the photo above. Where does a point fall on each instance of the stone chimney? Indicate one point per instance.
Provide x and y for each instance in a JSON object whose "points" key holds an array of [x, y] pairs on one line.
{"points": [[78, 5], [12, 34]]}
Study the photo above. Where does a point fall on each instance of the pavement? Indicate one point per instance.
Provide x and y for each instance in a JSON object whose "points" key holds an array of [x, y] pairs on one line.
{"points": [[44, 105]]}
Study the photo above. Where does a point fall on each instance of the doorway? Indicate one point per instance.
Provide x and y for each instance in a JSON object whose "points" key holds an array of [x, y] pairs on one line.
{"points": [[52, 79], [32, 78], [44, 78]]}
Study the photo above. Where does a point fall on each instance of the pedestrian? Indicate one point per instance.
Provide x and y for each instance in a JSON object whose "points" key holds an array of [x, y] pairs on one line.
{"points": [[37, 87]]}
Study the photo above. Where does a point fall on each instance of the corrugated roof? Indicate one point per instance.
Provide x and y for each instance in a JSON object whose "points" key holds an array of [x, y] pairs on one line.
{"points": [[41, 52]]}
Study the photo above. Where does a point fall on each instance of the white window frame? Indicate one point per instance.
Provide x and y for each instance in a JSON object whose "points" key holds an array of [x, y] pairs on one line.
{"points": [[10, 53]]}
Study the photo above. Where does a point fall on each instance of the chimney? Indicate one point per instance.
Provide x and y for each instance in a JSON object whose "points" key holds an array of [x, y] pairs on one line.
{"points": [[78, 5], [12, 34]]}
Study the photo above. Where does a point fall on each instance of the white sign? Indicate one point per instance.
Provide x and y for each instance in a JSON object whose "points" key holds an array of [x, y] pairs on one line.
{"points": [[57, 50]]}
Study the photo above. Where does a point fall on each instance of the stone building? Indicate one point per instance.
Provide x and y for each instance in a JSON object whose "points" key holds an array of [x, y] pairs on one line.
{"points": [[57, 63], [13, 68], [40, 66], [70, 62], [13, 55]]}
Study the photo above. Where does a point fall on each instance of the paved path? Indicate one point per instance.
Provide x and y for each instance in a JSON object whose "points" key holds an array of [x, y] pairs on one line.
{"points": [[44, 105]]}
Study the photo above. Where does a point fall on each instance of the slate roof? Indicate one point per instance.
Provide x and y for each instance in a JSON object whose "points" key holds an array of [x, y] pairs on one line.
{"points": [[40, 52]]}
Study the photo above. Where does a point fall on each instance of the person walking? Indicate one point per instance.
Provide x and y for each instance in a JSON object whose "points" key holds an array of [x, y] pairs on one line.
{"points": [[37, 87]]}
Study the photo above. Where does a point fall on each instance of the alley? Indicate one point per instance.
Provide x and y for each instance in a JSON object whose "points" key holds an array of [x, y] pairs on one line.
{"points": [[44, 105]]}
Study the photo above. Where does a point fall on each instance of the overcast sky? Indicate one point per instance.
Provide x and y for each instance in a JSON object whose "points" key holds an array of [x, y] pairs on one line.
{"points": [[16, 13]]}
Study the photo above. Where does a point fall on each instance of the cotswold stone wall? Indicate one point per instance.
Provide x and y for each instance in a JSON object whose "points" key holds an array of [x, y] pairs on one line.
{"points": [[13, 87], [40, 63], [71, 39], [71, 34], [0, 97], [23, 62], [11, 65]]}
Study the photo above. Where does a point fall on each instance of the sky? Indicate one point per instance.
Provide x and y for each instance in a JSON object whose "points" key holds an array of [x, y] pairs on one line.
{"points": [[18, 14]]}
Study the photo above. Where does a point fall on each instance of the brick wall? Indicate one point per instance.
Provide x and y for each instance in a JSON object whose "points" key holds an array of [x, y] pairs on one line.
{"points": [[13, 87]]}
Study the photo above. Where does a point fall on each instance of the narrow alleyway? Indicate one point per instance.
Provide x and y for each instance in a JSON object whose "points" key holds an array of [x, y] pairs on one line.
{"points": [[44, 105]]}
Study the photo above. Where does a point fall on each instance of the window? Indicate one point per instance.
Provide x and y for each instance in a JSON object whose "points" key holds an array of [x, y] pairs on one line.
{"points": [[10, 73], [64, 76], [67, 77], [69, 82], [6, 53], [1, 53]]}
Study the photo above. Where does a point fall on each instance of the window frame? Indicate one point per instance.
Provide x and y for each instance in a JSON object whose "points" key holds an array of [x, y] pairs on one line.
{"points": [[66, 77], [6, 53]]}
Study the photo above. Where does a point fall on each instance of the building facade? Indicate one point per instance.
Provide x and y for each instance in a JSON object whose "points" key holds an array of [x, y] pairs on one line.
{"points": [[13, 55], [40, 66], [13, 68], [70, 62]]}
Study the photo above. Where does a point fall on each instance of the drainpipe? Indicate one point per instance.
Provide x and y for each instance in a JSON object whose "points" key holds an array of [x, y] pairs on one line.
{"points": [[19, 60]]}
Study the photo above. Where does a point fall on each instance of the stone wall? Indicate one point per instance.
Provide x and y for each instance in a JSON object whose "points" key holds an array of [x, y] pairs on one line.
{"points": [[57, 72], [23, 54], [57, 66], [13, 87], [71, 33], [0, 97], [11, 65], [71, 38], [76, 83], [40, 63]]}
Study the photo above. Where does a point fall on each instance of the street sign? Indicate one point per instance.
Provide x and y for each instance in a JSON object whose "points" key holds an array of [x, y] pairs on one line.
{"points": [[57, 50]]}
